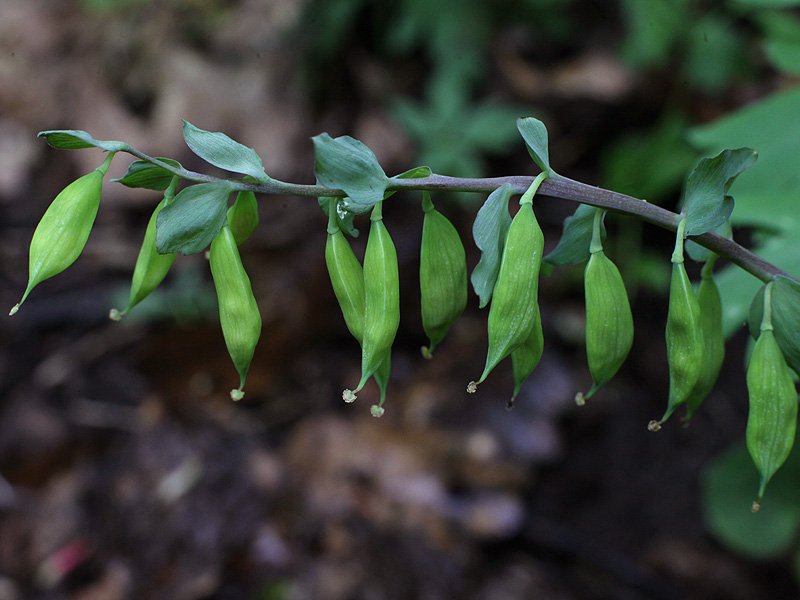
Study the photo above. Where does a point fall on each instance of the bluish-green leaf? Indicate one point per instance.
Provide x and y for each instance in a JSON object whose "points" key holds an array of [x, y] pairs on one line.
{"points": [[785, 318], [346, 164], [573, 247], [142, 174], [705, 203], [535, 135], [73, 139], [489, 231], [193, 219], [727, 489], [223, 152]]}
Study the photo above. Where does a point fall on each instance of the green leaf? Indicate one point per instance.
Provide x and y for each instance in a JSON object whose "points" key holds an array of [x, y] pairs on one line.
{"points": [[767, 3], [785, 318], [727, 494], [142, 174], [223, 152], [346, 164], [782, 40], [573, 247], [705, 203], [489, 231], [535, 135], [193, 219], [653, 27], [72, 139]]}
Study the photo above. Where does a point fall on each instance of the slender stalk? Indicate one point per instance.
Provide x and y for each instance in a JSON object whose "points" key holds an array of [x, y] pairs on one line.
{"points": [[555, 186]]}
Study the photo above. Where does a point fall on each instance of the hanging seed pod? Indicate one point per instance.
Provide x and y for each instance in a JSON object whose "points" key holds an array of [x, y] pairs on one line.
{"points": [[238, 311], [347, 279], [684, 334], [713, 339], [151, 267], [525, 358], [442, 275], [60, 236], [772, 419], [609, 323], [243, 216], [515, 298], [381, 299]]}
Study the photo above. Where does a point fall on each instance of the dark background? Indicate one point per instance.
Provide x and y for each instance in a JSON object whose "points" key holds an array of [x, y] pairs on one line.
{"points": [[125, 469]]}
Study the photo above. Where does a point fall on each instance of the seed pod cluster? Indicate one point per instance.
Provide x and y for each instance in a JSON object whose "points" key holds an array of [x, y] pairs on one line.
{"points": [[772, 418], [609, 322], [151, 267], [684, 334], [61, 234], [710, 305], [238, 311], [442, 275], [514, 305]]}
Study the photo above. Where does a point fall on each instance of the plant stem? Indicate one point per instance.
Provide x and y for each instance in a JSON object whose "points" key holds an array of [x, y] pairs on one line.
{"points": [[555, 186]]}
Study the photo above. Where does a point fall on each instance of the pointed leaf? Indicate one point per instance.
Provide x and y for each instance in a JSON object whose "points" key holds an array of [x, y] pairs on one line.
{"points": [[223, 152], [72, 139], [193, 219], [143, 174], [346, 164], [705, 202], [535, 135], [489, 231], [573, 247]]}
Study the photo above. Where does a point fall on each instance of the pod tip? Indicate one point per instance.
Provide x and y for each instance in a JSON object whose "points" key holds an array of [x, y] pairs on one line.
{"points": [[654, 425], [348, 396], [237, 395], [580, 399], [472, 387], [14, 310], [114, 315], [427, 353], [377, 411]]}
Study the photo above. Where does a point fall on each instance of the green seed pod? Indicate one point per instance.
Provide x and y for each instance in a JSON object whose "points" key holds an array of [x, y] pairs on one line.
{"points": [[243, 216], [347, 279], [772, 419], [238, 311], [442, 275], [60, 236], [525, 357], [713, 339], [151, 267], [609, 323], [381, 297], [684, 334], [514, 306]]}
